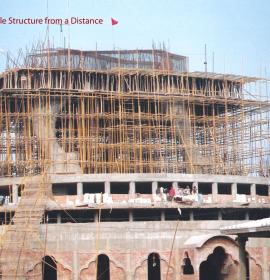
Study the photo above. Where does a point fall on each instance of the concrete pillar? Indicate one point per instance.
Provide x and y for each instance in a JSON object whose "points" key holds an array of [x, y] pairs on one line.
{"points": [[132, 188], [130, 216], [75, 265], [247, 215], [253, 192], [96, 216], [107, 186], [265, 265], [191, 215], [234, 190], [242, 257], [129, 267], [162, 215], [214, 191], [154, 187], [15, 192], [79, 188], [58, 218], [219, 215], [175, 184]]}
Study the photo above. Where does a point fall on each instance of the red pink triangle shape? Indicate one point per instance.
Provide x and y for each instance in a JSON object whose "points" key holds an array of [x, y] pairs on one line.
{"points": [[114, 21]]}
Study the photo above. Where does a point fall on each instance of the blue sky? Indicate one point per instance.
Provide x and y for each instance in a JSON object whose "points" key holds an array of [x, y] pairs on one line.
{"points": [[237, 31]]}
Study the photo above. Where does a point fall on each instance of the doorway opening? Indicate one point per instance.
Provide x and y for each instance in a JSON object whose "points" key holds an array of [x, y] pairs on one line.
{"points": [[154, 267], [49, 269], [103, 267]]}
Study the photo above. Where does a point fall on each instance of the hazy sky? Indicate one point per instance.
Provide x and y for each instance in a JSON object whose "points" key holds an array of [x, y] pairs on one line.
{"points": [[237, 31]]}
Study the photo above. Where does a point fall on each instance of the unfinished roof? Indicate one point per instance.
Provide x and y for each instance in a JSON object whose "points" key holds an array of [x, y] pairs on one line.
{"points": [[220, 76], [154, 59], [251, 228]]}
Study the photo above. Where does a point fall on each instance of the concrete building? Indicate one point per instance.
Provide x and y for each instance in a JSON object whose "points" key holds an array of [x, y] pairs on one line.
{"points": [[91, 140]]}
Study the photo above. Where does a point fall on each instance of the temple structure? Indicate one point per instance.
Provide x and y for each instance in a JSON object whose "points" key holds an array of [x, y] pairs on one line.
{"points": [[125, 165]]}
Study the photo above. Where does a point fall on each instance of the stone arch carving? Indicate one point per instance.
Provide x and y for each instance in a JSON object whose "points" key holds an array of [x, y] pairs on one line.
{"points": [[141, 272], [255, 269], [88, 270], [219, 263], [63, 272], [224, 241]]}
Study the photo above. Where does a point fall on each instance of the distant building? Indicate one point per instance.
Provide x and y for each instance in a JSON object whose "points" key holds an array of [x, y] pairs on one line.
{"points": [[91, 142]]}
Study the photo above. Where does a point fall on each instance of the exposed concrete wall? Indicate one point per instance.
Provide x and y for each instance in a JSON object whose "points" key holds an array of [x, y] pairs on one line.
{"points": [[56, 159], [195, 161], [128, 244]]}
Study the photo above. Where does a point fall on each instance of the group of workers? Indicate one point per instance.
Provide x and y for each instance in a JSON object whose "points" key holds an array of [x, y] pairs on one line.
{"points": [[178, 194]]}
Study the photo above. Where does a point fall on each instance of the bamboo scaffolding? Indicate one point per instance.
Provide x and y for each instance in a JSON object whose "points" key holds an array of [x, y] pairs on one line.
{"points": [[100, 116]]}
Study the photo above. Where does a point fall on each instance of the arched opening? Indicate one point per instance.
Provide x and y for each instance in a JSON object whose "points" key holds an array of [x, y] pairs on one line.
{"points": [[154, 267], [103, 267], [187, 265], [49, 269], [212, 268]]}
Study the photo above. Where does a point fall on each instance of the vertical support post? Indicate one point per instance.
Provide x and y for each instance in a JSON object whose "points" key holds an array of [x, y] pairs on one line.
{"points": [[253, 192], [242, 257], [219, 215], [130, 216], [75, 265], [107, 186], [58, 218], [131, 188], [79, 188], [214, 191], [234, 190], [96, 216], [191, 215], [15, 192], [162, 215], [154, 187]]}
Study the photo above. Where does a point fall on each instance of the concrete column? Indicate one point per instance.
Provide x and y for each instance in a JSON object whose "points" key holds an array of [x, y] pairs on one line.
{"points": [[265, 265], [234, 190], [75, 265], [214, 191], [15, 190], [79, 188], [247, 215], [162, 215], [58, 218], [131, 188], [130, 216], [96, 216], [253, 192], [175, 184], [107, 186], [242, 257], [219, 215], [191, 215], [154, 187], [129, 267]]}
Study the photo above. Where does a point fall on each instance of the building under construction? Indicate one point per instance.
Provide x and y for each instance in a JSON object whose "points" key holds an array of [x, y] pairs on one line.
{"points": [[90, 141]]}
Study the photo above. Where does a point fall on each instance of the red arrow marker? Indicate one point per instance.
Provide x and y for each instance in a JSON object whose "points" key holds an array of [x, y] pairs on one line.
{"points": [[114, 21]]}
